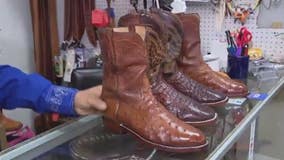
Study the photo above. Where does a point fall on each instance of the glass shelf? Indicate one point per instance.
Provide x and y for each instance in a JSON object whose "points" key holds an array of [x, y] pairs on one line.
{"points": [[86, 138]]}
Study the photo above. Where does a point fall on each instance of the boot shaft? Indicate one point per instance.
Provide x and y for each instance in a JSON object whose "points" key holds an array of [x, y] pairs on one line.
{"points": [[127, 92], [191, 61], [169, 18], [174, 31], [125, 61], [165, 25], [190, 52], [146, 19]]}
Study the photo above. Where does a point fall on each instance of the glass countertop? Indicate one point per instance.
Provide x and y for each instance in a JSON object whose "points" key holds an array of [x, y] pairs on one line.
{"points": [[86, 138]]}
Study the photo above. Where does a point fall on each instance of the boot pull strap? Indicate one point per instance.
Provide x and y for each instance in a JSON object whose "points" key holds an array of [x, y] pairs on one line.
{"points": [[131, 28]]}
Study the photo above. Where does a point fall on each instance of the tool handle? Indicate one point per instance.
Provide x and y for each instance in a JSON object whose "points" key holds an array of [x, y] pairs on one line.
{"points": [[228, 38], [232, 41], [245, 50]]}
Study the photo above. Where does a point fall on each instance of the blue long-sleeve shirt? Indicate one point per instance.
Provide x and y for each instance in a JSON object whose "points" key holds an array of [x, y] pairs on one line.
{"points": [[18, 89]]}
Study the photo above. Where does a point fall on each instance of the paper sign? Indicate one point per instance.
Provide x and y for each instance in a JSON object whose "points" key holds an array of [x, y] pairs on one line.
{"points": [[257, 96]]}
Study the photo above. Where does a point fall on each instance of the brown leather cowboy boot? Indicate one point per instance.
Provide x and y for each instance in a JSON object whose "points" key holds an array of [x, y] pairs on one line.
{"points": [[169, 28], [183, 107], [178, 79], [191, 61], [177, 103], [197, 91], [127, 92], [9, 124], [180, 105]]}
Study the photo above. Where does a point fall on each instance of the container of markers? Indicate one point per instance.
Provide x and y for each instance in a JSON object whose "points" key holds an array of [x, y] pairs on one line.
{"points": [[238, 67]]}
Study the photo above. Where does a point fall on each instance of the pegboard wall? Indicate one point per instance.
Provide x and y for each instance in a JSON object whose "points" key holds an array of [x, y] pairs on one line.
{"points": [[265, 39], [262, 38]]}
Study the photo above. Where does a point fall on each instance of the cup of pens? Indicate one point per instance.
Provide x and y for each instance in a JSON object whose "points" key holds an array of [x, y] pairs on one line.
{"points": [[238, 66], [238, 59]]}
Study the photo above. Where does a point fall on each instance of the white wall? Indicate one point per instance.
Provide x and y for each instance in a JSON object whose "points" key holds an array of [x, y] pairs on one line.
{"points": [[16, 45]]}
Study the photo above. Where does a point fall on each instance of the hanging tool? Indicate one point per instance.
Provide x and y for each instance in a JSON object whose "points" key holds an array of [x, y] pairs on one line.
{"points": [[111, 14], [158, 4], [241, 13], [145, 4], [100, 18], [134, 3], [231, 44], [229, 48]]}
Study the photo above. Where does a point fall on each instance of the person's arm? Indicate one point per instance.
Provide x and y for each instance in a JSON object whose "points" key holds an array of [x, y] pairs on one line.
{"points": [[18, 89]]}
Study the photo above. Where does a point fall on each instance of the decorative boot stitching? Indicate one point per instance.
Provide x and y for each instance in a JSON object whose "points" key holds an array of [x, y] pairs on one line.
{"points": [[155, 50]]}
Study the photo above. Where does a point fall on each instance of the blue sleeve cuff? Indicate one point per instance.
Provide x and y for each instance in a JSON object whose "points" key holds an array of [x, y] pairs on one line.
{"points": [[33, 91], [58, 99]]}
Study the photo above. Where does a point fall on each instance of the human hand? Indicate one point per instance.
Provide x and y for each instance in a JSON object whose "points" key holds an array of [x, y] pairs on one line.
{"points": [[89, 102]]}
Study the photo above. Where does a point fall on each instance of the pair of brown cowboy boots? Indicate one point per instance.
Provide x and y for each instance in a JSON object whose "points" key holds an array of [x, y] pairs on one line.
{"points": [[130, 82], [184, 97]]}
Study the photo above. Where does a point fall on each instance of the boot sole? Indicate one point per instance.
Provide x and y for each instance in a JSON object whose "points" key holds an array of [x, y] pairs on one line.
{"points": [[166, 148], [238, 95], [122, 129], [217, 104], [203, 123]]}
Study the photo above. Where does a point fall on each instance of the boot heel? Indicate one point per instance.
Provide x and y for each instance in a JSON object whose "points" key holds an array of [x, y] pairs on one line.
{"points": [[113, 126]]}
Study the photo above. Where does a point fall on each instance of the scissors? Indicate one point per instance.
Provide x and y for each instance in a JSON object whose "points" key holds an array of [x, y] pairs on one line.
{"points": [[231, 45], [243, 38]]}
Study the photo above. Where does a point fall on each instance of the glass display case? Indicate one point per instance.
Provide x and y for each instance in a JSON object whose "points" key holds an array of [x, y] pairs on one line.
{"points": [[238, 134]]}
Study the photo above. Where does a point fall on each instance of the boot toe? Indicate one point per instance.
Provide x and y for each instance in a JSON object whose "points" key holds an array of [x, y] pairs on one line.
{"points": [[230, 87], [190, 139], [196, 90], [168, 131], [187, 136], [214, 98], [185, 108], [238, 90], [203, 116]]}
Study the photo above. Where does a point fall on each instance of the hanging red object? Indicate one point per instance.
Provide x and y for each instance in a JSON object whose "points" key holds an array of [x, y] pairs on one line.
{"points": [[100, 18]]}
